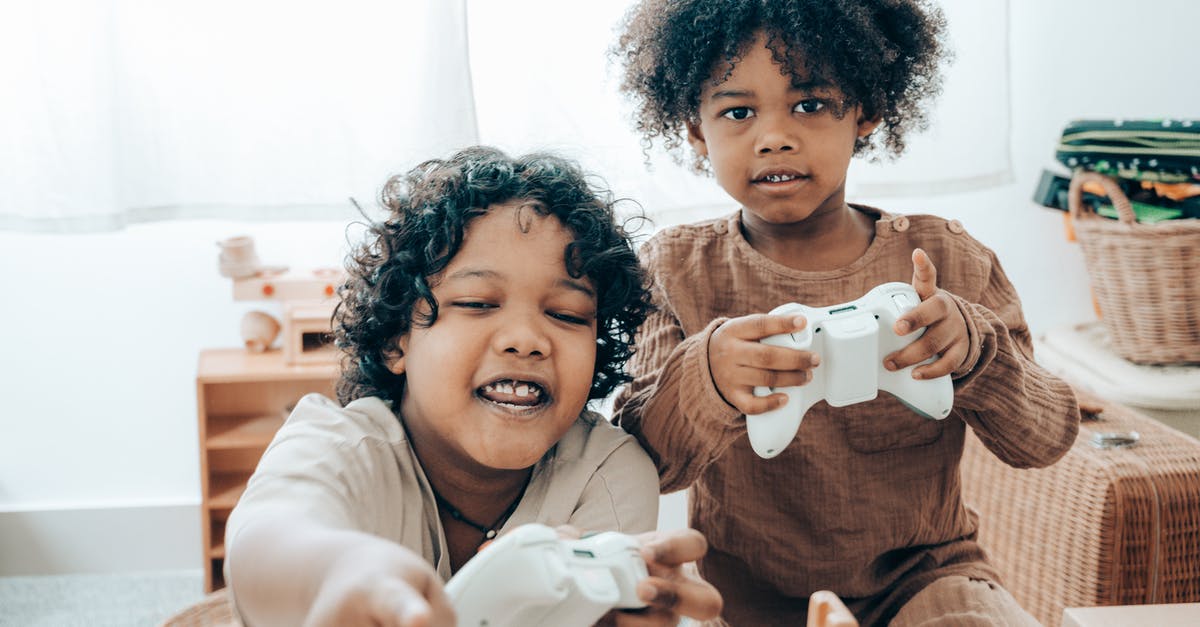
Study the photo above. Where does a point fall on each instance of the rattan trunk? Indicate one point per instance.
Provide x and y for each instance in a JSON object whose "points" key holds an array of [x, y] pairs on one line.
{"points": [[1102, 526]]}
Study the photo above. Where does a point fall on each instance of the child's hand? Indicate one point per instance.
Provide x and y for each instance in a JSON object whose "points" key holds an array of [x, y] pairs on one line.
{"points": [[738, 362], [381, 585], [945, 328], [673, 589]]}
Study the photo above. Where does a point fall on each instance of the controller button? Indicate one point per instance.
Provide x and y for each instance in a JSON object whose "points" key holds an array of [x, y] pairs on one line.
{"points": [[903, 302], [900, 223], [955, 227]]}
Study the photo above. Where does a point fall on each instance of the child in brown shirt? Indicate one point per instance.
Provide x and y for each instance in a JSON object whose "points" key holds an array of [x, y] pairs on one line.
{"points": [[775, 98]]}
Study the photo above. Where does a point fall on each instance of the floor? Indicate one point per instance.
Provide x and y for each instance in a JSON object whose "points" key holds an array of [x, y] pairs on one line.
{"points": [[109, 600]]}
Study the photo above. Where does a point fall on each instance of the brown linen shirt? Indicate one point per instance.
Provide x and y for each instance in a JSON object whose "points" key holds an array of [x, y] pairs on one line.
{"points": [[866, 501]]}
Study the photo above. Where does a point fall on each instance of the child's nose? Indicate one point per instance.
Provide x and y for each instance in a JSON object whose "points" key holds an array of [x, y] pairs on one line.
{"points": [[522, 336], [776, 137]]}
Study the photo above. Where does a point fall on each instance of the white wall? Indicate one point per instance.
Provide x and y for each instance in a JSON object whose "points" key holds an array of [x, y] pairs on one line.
{"points": [[101, 332]]}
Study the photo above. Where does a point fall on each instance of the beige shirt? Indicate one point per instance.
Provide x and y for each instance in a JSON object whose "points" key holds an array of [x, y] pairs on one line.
{"points": [[354, 468], [866, 500]]}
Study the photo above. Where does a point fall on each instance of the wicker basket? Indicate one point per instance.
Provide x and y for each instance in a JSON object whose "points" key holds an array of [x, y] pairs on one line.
{"points": [[1145, 277], [1102, 526]]}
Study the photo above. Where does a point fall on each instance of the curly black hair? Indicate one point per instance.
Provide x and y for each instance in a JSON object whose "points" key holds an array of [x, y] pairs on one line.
{"points": [[882, 54], [429, 208]]}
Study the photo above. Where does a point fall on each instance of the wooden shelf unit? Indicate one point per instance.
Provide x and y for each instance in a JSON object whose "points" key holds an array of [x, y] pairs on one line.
{"points": [[242, 399]]}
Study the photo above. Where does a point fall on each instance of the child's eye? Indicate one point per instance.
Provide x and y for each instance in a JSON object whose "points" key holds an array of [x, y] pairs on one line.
{"points": [[472, 304], [811, 105], [569, 318], [738, 113]]}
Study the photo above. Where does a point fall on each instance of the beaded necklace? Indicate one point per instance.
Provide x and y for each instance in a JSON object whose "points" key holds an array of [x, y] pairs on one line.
{"points": [[488, 531]]}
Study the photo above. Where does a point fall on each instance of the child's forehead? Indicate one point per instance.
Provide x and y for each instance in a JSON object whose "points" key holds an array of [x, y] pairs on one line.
{"points": [[790, 59], [522, 214], [500, 227]]}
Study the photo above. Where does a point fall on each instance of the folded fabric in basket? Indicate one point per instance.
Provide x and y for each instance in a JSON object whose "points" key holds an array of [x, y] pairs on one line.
{"points": [[1166, 151]]}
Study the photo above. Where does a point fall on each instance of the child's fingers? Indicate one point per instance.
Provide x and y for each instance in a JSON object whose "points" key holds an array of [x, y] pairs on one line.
{"points": [[924, 279], [691, 597], [397, 604], [777, 378], [647, 617], [938, 341], [944, 365], [758, 326], [926, 314], [411, 614], [928, 345], [775, 358], [673, 548], [751, 405], [441, 612]]}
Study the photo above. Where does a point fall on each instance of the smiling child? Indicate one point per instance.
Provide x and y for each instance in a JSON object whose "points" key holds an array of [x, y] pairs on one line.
{"points": [[478, 321]]}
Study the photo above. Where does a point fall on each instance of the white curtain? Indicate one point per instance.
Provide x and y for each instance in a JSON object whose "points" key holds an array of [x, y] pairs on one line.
{"points": [[120, 111], [967, 144]]}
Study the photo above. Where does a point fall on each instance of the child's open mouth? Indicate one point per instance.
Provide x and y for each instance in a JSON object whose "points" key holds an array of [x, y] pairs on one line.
{"points": [[513, 394], [779, 176]]}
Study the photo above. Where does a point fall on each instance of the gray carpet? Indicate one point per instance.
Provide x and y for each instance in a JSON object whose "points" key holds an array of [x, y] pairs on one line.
{"points": [[110, 600]]}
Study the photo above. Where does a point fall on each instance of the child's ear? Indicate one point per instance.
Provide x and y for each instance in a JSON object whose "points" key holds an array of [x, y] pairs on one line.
{"points": [[695, 137], [867, 125], [395, 356]]}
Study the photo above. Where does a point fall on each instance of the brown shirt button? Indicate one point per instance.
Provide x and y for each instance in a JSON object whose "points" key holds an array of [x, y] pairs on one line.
{"points": [[955, 226], [719, 227], [900, 223]]}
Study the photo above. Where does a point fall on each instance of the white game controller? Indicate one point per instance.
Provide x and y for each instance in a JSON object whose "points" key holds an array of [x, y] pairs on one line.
{"points": [[852, 347], [530, 576]]}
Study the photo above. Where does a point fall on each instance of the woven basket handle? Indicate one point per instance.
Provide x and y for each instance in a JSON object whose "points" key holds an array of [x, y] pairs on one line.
{"points": [[1118, 197]]}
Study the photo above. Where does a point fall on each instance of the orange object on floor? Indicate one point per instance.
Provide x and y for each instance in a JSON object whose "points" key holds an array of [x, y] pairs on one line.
{"points": [[825, 609]]}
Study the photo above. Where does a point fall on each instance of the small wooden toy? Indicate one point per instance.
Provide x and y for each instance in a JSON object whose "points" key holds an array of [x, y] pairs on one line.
{"points": [[307, 296], [307, 332]]}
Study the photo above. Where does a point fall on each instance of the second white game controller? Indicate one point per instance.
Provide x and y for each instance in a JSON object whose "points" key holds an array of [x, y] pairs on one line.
{"points": [[852, 339], [530, 577]]}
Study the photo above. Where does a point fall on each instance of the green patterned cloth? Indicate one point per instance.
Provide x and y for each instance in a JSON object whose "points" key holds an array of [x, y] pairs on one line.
{"points": [[1166, 151]]}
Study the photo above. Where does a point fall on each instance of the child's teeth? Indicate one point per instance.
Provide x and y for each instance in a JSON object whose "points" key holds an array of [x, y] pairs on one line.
{"points": [[521, 390]]}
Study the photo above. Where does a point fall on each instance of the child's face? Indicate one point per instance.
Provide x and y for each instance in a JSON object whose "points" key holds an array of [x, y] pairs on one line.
{"points": [[780, 151], [507, 367]]}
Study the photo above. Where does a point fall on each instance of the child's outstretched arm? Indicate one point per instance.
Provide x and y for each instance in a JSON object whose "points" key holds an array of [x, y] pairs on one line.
{"points": [[1023, 414], [287, 570]]}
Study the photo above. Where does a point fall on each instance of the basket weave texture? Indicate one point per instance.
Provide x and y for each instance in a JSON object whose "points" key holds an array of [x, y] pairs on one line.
{"points": [[1116, 526], [1144, 277]]}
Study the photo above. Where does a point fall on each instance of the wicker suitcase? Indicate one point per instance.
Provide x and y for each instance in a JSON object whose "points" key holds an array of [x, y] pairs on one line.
{"points": [[1103, 526]]}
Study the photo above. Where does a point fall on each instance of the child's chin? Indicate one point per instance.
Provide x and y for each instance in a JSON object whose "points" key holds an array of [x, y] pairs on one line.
{"points": [[512, 463], [513, 458]]}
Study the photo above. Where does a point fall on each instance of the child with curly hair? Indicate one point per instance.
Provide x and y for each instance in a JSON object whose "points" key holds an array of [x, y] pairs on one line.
{"points": [[775, 98], [478, 320]]}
